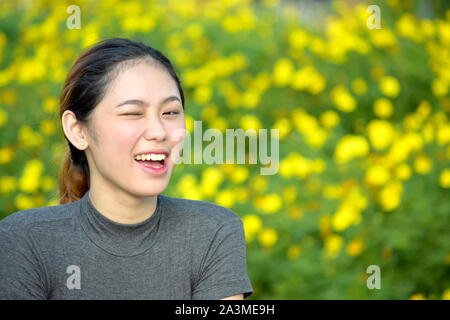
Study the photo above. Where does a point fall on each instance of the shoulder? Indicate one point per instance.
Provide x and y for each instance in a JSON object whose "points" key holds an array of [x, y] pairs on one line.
{"points": [[201, 212], [25, 219]]}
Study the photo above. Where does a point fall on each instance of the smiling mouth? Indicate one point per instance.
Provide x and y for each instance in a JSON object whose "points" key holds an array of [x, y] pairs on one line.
{"points": [[152, 163]]}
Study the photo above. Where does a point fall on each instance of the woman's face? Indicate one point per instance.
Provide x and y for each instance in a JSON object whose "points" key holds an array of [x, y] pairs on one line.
{"points": [[140, 112]]}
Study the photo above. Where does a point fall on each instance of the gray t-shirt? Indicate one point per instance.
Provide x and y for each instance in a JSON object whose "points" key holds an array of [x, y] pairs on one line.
{"points": [[188, 249]]}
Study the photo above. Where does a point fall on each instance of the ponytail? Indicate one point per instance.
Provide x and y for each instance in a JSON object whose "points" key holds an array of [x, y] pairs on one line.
{"points": [[73, 176]]}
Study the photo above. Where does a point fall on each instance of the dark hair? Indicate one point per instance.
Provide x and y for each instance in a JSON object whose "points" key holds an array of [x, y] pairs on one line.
{"points": [[84, 87]]}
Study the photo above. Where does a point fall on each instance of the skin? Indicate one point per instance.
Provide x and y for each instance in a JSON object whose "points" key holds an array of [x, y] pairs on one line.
{"points": [[119, 188]]}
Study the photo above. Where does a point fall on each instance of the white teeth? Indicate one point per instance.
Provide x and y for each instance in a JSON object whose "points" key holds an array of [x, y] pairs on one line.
{"points": [[151, 156]]}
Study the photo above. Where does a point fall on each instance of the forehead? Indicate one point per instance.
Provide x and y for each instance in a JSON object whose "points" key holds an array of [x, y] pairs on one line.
{"points": [[143, 79]]}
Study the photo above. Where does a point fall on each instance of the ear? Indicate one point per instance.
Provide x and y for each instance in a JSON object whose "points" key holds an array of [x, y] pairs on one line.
{"points": [[73, 130]]}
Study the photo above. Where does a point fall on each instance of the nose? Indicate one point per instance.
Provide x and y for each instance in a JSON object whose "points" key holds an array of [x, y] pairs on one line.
{"points": [[155, 129]]}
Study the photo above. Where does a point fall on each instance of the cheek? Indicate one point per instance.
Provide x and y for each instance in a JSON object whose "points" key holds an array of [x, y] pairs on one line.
{"points": [[121, 139]]}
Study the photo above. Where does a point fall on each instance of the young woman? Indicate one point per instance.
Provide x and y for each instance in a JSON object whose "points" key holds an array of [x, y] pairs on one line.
{"points": [[114, 235]]}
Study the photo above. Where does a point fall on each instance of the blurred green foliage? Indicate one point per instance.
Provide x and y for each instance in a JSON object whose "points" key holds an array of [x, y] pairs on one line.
{"points": [[363, 116]]}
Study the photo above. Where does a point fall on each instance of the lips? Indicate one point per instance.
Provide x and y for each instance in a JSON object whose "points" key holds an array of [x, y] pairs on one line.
{"points": [[153, 167]]}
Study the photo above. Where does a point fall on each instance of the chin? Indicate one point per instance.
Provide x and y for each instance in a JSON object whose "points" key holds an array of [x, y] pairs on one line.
{"points": [[153, 190]]}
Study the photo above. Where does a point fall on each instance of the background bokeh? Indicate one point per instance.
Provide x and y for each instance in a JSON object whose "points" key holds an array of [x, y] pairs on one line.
{"points": [[363, 116]]}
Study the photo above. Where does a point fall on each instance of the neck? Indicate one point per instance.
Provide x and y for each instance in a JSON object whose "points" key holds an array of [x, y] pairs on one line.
{"points": [[122, 207]]}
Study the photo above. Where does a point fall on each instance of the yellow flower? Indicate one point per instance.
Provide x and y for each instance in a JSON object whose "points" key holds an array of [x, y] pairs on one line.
{"points": [[294, 251], [270, 203], [31, 69], [194, 31], [189, 123], [383, 38], [252, 225], [226, 198], [390, 195], [377, 175], [193, 194], [309, 79], [298, 38], [428, 132], [304, 122], [202, 94], [439, 87], [446, 295], [403, 171], [333, 244], [417, 296], [382, 108], [259, 183], [284, 126], [355, 247], [212, 176], [329, 119], [6, 155], [359, 86], [219, 123], [349, 147], [443, 134], [444, 178], [283, 72], [24, 202], [407, 27], [318, 165], [50, 105], [424, 109], [345, 216], [7, 184], [188, 181], [389, 86], [29, 181], [333, 192], [48, 183], [268, 237], [422, 164], [250, 122], [29, 138], [381, 133], [47, 127], [239, 174], [90, 35], [251, 99], [343, 100]]}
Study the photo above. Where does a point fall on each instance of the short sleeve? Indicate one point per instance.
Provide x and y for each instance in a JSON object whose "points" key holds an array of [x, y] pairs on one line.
{"points": [[20, 278], [223, 270]]}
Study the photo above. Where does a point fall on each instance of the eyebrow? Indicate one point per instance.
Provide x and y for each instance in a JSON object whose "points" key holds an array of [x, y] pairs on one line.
{"points": [[145, 104]]}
